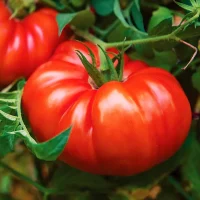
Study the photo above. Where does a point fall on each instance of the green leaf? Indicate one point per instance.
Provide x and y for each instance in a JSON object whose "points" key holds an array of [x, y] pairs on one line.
{"points": [[66, 178], [196, 80], [118, 34], [185, 34], [194, 3], [137, 16], [58, 4], [198, 3], [163, 28], [51, 149], [63, 19], [77, 3], [119, 15], [13, 128], [165, 59], [158, 16], [103, 7], [83, 20], [184, 6], [7, 144], [132, 32]]}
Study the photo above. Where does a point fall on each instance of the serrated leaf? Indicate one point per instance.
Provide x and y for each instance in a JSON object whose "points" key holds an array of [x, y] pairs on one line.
{"points": [[162, 13], [137, 16], [51, 149], [103, 7], [63, 19], [48, 151], [13, 128], [184, 6]]}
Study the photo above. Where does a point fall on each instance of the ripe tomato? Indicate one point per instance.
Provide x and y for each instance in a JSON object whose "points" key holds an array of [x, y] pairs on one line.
{"points": [[121, 128], [26, 44]]}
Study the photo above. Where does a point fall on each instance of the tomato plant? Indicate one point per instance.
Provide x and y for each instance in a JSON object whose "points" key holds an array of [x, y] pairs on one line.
{"points": [[26, 43], [106, 119]]}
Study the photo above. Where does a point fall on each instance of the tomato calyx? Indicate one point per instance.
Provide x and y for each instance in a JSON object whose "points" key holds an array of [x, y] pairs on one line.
{"points": [[21, 8], [107, 71]]}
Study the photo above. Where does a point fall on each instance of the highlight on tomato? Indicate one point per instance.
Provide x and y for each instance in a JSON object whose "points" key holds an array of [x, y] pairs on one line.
{"points": [[123, 119], [26, 43]]}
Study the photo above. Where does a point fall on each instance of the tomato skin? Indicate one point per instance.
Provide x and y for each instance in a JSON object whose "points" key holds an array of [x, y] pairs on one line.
{"points": [[121, 128], [25, 44], [66, 51]]}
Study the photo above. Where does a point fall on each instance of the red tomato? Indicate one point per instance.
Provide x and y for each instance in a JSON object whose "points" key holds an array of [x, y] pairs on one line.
{"points": [[26, 44], [122, 128]]}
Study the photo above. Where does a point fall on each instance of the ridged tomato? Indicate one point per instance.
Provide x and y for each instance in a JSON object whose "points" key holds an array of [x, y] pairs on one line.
{"points": [[121, 128], [25, 44]]}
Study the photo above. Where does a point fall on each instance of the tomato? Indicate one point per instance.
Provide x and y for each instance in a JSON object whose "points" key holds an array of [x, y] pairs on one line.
{"points": [[25, 44], [122, 128]]}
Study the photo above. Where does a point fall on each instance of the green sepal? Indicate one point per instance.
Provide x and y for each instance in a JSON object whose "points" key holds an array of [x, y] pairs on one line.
{"points": [[110, 66], [184, 6], [120, 64], [91, 69], [194, 3]]}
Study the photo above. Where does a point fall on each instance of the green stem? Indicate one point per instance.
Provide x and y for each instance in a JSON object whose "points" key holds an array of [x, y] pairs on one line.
{"points": [[180, 28], [171, 36], [179, 188], [86, 35], [141, 41], [19, 114], [23, 177]]}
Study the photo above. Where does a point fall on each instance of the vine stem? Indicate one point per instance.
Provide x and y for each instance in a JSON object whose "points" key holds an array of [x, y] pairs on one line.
{"points": [[171, 36], [26, 179]]}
